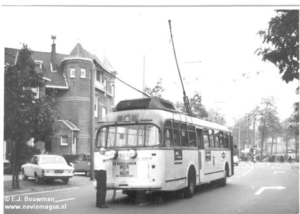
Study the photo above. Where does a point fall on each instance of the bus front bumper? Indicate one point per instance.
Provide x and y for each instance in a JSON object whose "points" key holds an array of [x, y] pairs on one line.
{"points": [[135, 186]]}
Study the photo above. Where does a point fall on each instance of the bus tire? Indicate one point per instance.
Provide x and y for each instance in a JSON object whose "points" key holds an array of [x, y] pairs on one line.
{"points": [[223, 180], [190, 189]]}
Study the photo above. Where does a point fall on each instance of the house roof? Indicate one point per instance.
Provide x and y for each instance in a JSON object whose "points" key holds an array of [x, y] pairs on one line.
{"points": [[80, 53], [57, 78], [69, 124]]}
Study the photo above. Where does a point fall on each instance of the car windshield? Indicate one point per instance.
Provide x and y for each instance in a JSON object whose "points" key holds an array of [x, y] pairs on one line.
{"points": [[53, 160], [129, 135]]}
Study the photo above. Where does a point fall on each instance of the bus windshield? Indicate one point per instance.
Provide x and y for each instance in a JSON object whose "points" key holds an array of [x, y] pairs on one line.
{"points": [[129, 136]]}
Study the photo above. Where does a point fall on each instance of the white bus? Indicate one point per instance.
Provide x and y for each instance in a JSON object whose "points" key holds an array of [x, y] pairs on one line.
{"points": [[159, 149]]}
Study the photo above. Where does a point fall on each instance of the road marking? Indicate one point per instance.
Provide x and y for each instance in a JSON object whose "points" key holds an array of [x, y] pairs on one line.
{"points": [[276, 172], [69, 199], [275, 167], [265, 188], [248, 171]]}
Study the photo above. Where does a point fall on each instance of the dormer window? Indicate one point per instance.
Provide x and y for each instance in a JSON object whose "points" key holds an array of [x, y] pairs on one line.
{"points": [[51, 68], [38, 64], [82, 73], [72, 72]]}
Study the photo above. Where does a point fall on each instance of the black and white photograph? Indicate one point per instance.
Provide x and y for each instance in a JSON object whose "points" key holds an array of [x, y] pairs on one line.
{"points": [[150, 107]]}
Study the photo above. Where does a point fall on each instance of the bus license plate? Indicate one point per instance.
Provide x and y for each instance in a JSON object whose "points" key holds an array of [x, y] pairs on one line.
{"points": [[125, 169]]}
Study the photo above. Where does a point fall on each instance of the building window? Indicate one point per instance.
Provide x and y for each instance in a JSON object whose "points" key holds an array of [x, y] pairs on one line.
{"points": [[104, 84], [113, 90], [38, 64], [96, 106], [51, 68], [104, 111], [63, 140], [72, 72], [82, 73], [99, 76]]}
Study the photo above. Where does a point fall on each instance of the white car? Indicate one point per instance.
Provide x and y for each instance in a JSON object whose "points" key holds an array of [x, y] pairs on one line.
{"points": [[236, 160], [47, 167]]}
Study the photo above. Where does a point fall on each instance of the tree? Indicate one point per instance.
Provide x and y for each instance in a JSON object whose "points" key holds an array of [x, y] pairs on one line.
{"points": [[294, 126], [156, 91], [216, 117], [283, 34], [267, 112], [25, 116], [198, 109]]}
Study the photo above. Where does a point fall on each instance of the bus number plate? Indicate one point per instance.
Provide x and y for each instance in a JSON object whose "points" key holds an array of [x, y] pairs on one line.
{"points": [[125, 169]]}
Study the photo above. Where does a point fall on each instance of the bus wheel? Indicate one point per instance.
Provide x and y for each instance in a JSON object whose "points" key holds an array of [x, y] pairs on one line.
{"points": [[190, 189], [223, 181]]}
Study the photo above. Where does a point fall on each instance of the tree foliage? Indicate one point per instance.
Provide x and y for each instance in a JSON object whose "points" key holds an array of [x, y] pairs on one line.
{"points": [[216, 117], [283, 35], [25, 116], [198, 109], [156, 91]]}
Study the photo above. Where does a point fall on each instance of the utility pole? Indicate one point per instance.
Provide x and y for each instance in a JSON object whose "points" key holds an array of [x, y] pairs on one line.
{"points": [[92, 119], [144, 77], [239, 137]]}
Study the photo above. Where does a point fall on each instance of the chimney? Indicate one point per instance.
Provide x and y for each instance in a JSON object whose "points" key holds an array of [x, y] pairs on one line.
{"points": [[53, 53]]}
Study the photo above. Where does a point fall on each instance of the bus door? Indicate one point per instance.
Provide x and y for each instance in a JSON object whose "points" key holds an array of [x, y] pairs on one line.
{"points": [[201, 154], [213, 159]]}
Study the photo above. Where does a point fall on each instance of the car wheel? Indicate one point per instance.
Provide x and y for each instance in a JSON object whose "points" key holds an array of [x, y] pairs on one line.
{"points": [[24, 176], [88, 173], [65, 180], [37, 178]]}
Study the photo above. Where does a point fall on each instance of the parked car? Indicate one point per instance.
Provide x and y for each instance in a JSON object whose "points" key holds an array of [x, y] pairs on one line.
{"points": [[47, 168], [236, 160], [82, 164], [7, 167]]}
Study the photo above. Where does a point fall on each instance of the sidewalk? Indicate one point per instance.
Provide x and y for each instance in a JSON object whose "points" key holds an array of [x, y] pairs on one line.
{"points": [[78, 180]]}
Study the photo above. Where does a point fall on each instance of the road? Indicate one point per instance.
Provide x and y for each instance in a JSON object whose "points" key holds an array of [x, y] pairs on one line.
{"points": [[260, 188]]}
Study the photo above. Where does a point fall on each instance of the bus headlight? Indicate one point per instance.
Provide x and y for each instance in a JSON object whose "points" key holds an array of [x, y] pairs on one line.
{"points": [[132, 153]]}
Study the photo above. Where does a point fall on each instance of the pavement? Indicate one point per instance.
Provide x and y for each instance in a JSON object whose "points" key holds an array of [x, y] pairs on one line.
{"points": [[78, 180]]}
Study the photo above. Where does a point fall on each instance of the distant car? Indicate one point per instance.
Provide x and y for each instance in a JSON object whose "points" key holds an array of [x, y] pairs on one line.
{"points": [[82, 164], [236, 160], [7, 167], [47, 168]]}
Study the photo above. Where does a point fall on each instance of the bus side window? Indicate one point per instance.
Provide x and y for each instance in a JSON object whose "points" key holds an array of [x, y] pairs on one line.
{"points": [[168, 134], [216, 134], [226, 140], [102, 137], [184, 135], [221, 139], [192, 136], [176, 134], [206, 139], [211, 138], [200, 138]]}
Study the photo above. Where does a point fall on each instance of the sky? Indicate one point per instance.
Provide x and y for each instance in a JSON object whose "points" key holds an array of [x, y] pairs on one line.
{"points": [[215, 48]]}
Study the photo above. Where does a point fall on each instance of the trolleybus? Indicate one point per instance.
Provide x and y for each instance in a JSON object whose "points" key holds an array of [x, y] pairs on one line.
{"points": [[159, 149]]}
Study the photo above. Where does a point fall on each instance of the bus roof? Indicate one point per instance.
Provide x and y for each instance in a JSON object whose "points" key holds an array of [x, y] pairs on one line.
{"points": [[155, 113], [145, 103]]}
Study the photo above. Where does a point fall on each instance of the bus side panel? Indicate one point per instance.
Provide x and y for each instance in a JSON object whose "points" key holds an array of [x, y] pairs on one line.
{"points": [[231, 159]]}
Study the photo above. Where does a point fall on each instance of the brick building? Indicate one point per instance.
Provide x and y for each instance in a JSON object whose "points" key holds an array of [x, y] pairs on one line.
{"points": [[70, 77]]}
